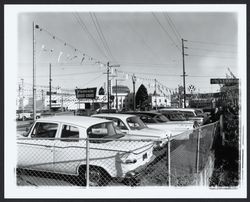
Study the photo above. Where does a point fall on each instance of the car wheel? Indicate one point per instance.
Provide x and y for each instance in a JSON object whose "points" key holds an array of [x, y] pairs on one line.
{"points": [[97, 176]]}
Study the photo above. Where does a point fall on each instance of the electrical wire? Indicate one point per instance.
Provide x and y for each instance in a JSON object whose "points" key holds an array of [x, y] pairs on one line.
{"points": [[85, 29], [163, 28], [212, 43], [178, 37]]}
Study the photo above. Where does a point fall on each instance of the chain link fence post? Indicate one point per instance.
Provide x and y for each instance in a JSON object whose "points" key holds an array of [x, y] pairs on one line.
{"points": [[87, 163], [198, 150], [169, 161]]}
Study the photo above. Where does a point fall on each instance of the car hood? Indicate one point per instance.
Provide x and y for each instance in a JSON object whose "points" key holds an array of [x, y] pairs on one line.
{"points": [[172, 129], [148, 133]]}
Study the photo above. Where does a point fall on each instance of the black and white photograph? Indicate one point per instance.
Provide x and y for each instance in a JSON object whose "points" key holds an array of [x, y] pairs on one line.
{"points": [[141, 101]]}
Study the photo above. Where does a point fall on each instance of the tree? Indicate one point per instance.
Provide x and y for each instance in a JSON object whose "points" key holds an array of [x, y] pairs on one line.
{"points": [[141, 96], [101, 91]]}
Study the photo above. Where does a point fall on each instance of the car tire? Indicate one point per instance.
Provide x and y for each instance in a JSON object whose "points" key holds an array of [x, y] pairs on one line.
{"points": [[97, 176]]}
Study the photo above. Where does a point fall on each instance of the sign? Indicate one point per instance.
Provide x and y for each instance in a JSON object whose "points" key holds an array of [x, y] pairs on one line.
{"points": [[52, 93], [224, 81], [87, 93]]}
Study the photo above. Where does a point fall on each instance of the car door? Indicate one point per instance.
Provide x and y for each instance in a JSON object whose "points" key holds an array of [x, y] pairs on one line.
{"points": [[37, 150], [70, 150]]}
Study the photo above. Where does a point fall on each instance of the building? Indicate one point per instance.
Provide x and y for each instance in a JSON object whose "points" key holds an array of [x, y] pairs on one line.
{"points": [[120, 94], [159, 101]]}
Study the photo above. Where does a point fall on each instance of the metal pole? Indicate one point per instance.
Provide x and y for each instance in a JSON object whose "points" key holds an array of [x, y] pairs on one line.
{"points": [[108, 85], [50, 86], [184, 73], [198, 151], [34, 74], [155, 96], [116, 94], [22, 96], [87, 162], [169, 161]]}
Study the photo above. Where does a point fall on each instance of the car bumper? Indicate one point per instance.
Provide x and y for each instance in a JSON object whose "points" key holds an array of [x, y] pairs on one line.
{"points": [[138, 172]]}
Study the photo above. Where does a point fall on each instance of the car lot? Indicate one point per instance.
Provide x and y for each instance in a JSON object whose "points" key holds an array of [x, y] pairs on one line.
{"points": [[154, 173]]}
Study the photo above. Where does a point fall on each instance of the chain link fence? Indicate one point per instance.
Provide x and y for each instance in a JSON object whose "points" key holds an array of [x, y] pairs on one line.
{"points": [[115, 162]]}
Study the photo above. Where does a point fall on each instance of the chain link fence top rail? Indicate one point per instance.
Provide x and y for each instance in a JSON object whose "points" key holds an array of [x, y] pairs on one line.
{"points": [[113, 162]]}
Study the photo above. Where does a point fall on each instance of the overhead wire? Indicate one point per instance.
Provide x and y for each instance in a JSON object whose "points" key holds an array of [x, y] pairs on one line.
{"points": [[85, 29], [163, 28], [103, 37], [178, 37]]}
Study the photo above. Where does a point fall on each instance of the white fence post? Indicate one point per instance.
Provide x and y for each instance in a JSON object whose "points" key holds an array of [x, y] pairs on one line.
{"points": [[169, 161], [87, 162]]}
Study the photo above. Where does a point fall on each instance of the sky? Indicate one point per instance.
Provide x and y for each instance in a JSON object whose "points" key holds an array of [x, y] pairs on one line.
{"points": [[147, 44]]}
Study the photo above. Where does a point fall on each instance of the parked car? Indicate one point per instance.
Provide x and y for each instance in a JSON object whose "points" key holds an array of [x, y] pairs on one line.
{"points": [[173, 116], [23, 115], [110, 156], [158, 121], [134, 126], [189, 113]]}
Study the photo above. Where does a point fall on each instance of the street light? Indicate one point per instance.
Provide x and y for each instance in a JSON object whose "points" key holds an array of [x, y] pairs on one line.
{"points": [[134, 80]]}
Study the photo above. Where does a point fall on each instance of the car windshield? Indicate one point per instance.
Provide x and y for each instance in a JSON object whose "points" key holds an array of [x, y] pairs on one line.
{"points": [[135, 123], [188, 114], [161, 118], [176, 117], [198, 112], [104, 130]]}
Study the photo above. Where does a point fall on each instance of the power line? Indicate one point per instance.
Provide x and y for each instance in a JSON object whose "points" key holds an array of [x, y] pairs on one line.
{"points": [[84, 28], [177, 35], [165, 31], [204, 49], [212, 43], [103, 37], [212, 56], [62, 75]]}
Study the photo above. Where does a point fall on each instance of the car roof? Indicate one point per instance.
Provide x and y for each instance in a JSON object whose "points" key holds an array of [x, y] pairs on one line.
{"points": [[124, 116], [150, 113], [177, 109], [76, 120]]}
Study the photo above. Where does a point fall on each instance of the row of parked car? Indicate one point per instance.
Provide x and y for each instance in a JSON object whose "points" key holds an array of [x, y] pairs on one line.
{"points": [[57, 144]]}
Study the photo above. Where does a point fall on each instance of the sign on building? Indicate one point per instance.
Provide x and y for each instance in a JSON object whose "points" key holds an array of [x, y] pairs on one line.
{"points": [[224, 81], [52, 93], [87, 93]]}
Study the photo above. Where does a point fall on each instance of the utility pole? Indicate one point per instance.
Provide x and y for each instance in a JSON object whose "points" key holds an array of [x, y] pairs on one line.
{"points": [[184, 73], [50, 86], [22, 96], [34, 71], [133, 80], [42, 98], [155, 96]]}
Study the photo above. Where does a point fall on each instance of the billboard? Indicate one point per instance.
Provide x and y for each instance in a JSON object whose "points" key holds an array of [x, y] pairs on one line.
{"points": [[87, 93]]}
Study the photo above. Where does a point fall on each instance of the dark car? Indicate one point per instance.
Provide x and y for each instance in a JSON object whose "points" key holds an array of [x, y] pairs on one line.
{"points": [[174, 116]]}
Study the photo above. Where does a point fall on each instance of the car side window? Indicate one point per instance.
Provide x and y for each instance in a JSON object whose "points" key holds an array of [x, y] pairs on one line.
{"points": [[70, 133], [118, 123], [147, 119], [44, 130]]}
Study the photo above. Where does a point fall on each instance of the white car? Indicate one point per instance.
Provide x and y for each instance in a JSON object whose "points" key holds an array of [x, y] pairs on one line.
{"points": [[189, 113], [158, 121], [134, 126], [58, 145]]}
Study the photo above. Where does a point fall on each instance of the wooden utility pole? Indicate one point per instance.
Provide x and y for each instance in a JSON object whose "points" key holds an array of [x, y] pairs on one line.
{"points": [[133, 80], [34, 71], [50, 86], [184, 73]]}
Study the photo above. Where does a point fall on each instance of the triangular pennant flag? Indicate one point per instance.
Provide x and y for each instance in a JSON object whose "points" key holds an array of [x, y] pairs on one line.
{"points": [[59, 56]]}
